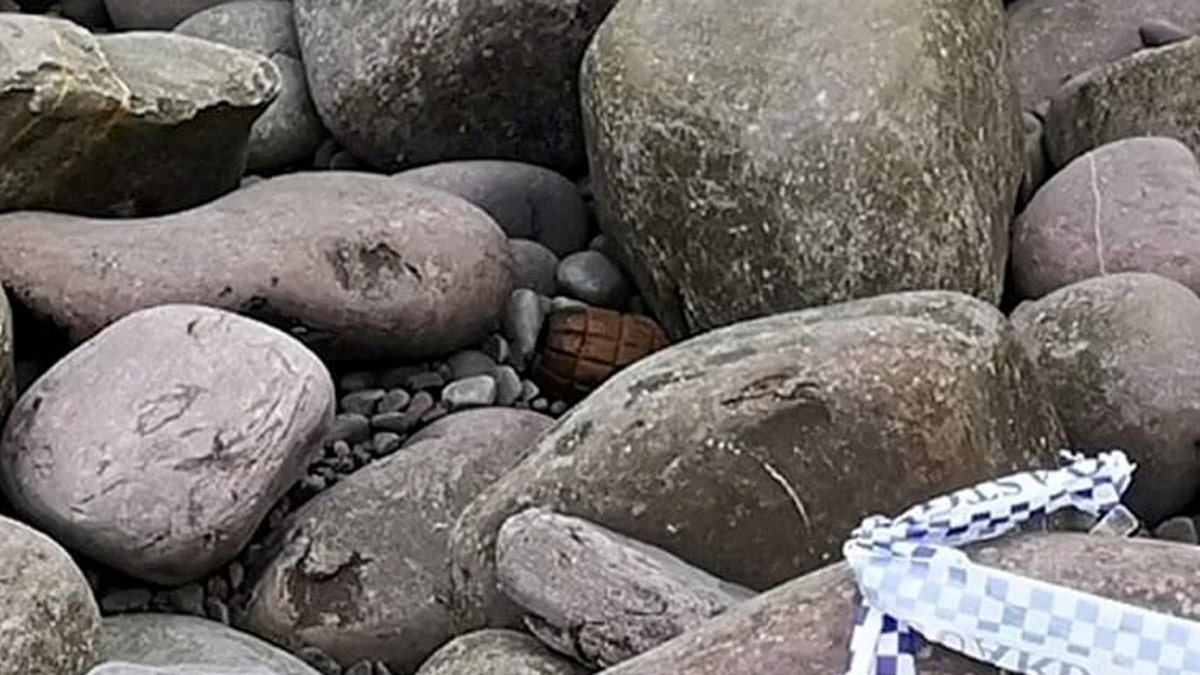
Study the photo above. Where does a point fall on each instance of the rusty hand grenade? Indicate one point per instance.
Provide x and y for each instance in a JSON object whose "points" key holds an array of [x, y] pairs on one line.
{"points": [[582, 346]]}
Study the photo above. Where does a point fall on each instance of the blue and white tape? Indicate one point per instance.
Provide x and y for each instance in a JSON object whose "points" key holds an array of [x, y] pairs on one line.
{"points": [[917, 587]]}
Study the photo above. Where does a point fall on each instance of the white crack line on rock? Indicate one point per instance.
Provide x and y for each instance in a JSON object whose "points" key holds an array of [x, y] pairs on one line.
{"points": [[1096, 213], [791, 492]]}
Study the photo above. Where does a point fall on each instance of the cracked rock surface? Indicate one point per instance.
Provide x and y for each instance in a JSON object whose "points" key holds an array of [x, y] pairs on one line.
{"points": [[775, 436], [158, 446], [360, 571], [122, 125], [356, 266]]}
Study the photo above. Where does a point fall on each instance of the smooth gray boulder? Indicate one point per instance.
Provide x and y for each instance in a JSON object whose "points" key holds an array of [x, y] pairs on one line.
{"points": [[463, 80], [165, 639], [751, 451], [51, 624], [757, 157], [159, 445], [362, 570], [162, 119], [263, 26]]}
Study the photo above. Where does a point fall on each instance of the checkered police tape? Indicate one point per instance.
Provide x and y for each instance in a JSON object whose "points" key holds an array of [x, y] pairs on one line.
{"points": [[915, 587]]}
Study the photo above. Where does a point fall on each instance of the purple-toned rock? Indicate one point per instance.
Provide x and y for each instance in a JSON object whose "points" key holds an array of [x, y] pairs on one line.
{"points": [[158, 446], [1129, 206], [355, 265], [1053, 40], [362, 570]]}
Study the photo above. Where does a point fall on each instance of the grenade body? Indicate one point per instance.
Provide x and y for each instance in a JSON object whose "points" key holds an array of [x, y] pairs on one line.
{"points": [[583, 346]]}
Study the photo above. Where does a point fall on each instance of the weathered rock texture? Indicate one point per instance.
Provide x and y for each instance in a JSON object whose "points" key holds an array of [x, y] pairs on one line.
{"points": [[752, 451], [496, 652], [600, 597], [121, 125], [51, 624], [159, 445], [357, 266], [760, 156]]}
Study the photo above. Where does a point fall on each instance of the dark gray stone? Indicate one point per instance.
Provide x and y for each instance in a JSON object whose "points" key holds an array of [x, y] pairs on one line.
{"points": [[470, 362], [536, 266], [527, 201], [263, 26], [289, 131], [361, 569], [591, 277], [522, 324], [507, 88], [154, 14], [362, 402], [497, 652]]}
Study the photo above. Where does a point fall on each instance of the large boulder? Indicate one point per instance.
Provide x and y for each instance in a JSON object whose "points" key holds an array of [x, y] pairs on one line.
{"points": [[163, 120], [362, 570], [51, 624], [757, 157], [1155, 92], [453, 80], [1053, 40], [357, 266], [1121, 356], [166, 639], [776, 436], [159, 445], [1130, 205], [808, 621]]}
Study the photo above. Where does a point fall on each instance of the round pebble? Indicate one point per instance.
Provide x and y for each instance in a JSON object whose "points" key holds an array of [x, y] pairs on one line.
{"points": [[470, 392], [394, 401], [469, 363], [362, 401], [592, 277], [537, 266], [386, 442], [350, 427]]}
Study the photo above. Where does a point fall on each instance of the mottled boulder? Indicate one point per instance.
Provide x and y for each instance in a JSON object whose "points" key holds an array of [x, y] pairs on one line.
{"points": [[154, 14], [159, 445], [452, 81], [497, 652], [361, 571], [527, 201], [165, 639], [1155, 92], [1121, 356], [808, 620], [776, 436], [357, 266], [1131, 205], [51, 622], [263, 26], [1053, 40], [121, 125], [757, 157]]}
